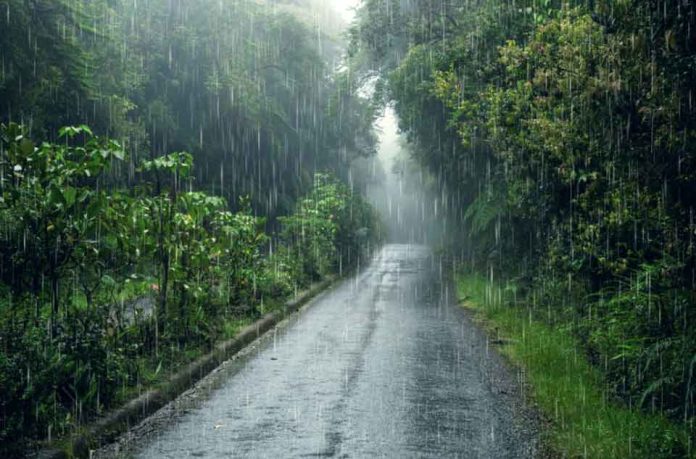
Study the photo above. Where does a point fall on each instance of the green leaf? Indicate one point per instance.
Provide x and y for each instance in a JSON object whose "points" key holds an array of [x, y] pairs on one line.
{"points": [[55, 196], [26, 146], [69, 195], [67, 131], [108, 280], [86, 129]]}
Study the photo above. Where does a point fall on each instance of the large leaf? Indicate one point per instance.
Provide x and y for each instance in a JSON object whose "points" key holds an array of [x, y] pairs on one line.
{"points": [[69, 195]]}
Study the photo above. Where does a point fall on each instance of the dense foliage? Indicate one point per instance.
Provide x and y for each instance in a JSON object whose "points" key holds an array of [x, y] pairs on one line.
{"points": [[330, 229], [564, 134], [242, 85], [101, 285], [114, 267]]}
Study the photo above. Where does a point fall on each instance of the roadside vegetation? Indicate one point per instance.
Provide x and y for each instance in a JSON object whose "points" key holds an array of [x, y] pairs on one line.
{"points": [[562, 137], [588, 421], [203, 179], [106, 289]]}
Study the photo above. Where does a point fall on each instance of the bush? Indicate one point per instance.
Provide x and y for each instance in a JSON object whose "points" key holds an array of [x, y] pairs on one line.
{"points": [[103, 290]]}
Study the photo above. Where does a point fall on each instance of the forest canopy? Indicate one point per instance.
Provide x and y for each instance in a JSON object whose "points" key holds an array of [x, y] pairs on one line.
{"points": [[242, 85]]}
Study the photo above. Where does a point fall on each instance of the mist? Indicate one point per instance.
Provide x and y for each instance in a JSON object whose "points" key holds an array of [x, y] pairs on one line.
{"points": [[403, 193]]}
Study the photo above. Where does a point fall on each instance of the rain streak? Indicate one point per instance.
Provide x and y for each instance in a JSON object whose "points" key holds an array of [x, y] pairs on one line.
{"points": [[347, 228]]}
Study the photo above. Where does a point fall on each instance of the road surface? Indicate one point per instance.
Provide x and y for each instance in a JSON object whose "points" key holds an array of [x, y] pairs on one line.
{"points": [[383, 365]]}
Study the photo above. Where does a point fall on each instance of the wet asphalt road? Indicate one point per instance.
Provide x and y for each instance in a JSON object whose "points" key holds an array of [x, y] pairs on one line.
{"points": [[383, 365]]}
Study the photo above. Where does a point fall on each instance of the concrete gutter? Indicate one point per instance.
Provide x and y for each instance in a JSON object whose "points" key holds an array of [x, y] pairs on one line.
{"points": [[108, 427]]}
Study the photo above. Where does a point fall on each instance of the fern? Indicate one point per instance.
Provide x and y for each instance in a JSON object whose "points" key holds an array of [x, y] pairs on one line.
{"points": [[483, 212]]}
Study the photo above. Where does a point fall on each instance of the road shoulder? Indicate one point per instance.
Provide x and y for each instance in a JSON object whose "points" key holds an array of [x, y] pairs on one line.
{"points": [[113, 434]]}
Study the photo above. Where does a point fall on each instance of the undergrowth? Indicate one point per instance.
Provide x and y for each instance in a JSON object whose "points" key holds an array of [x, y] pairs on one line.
{"points": [[586, 421]]}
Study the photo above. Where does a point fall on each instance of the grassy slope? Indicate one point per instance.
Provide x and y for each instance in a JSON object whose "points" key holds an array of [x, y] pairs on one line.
{"points": [[567, 389]]}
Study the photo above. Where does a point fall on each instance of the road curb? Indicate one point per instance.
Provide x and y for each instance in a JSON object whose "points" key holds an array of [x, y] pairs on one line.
{"points": [[108, 427]]}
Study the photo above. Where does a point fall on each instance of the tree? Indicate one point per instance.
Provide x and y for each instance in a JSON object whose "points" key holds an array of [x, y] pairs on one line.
{"points": [[51, 204]]}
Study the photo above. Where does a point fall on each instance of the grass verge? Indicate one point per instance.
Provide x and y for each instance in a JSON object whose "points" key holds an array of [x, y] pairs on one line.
{"points": [[585, 421]]}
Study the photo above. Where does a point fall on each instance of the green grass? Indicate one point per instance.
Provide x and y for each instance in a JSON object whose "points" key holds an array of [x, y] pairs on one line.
{"points": [[584, 421]]}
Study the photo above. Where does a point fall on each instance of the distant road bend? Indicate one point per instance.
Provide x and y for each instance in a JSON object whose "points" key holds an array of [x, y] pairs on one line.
{"points": [[383, 365]]}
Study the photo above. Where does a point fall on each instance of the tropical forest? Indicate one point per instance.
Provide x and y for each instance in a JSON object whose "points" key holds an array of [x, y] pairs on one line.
{"points": [[348, 228]]}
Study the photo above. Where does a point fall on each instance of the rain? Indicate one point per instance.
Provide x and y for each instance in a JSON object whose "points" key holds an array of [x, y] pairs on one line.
{"points": [[347, 228]]}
